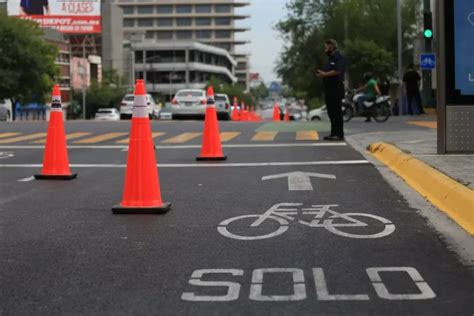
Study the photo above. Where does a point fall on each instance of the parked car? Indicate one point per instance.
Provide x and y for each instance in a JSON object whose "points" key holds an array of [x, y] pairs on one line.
{"points": [[189, 103], [5, 110], [126, 106], [110, 114], [223, 107], [166, 113], [318, 114]]}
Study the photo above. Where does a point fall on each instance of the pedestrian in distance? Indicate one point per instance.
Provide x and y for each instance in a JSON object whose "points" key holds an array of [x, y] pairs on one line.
{"points": [[412, 79], [333, 85]]}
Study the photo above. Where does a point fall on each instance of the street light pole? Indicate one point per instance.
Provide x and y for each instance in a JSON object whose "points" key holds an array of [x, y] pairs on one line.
{"points": [[83, 79], [400, 61]]}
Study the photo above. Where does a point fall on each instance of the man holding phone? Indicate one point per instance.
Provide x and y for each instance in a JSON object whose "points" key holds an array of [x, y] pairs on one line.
{"points": [[333, 83]]}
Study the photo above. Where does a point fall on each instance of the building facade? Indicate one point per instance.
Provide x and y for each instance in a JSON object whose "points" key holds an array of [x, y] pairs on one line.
{"points": [[210, 22], [169, 66]]}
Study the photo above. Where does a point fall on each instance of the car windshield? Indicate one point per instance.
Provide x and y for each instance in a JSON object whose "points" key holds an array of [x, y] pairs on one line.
{"points": [[220, 98], [189, 93], [129, 97]]}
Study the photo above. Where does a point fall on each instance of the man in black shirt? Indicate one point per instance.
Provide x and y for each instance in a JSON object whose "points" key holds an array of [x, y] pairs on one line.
{"points": [[333, 83], [412, 86], [34, 7]]}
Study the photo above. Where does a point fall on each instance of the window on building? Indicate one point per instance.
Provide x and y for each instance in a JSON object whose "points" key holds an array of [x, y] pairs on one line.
{"points": [[165, 35], [184, 35], [203, 8], [223, 21], [184, 22], [149, 35], [128, 22], [222, 34], [184, 9], [203, 21], [128, 10], [164, 9], [203, 34], [165, 22], [145, 9], [222, 8], [139, 56], [145, 22]]}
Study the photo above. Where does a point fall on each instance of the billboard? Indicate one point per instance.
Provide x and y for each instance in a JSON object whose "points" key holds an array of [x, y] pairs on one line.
{"points": [[464, 46], [66, 16]]}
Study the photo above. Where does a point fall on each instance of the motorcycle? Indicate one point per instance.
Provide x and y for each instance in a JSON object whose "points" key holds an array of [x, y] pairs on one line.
{"points": [[379, 108]]}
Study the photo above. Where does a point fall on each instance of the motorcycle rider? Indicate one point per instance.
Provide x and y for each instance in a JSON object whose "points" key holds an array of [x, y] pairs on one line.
{"points": [[371, 91]]}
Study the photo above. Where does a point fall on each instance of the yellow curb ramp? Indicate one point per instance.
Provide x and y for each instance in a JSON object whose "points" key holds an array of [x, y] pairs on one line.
{"points": [[450, 196]]}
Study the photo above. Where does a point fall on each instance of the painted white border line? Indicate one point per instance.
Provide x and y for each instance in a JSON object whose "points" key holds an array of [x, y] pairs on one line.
{"points": [[207, 165], [186, 146]]}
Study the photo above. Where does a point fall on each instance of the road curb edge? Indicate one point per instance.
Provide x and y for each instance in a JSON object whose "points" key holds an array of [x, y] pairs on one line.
{"points": [[450, 196]]}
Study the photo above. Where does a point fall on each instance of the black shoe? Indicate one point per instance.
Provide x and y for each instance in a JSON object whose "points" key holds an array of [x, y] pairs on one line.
{"points": [[368, 120], [333, 138]]}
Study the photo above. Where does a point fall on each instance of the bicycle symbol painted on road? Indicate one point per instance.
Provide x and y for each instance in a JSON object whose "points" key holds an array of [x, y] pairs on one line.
{"points": [[323, 216]]}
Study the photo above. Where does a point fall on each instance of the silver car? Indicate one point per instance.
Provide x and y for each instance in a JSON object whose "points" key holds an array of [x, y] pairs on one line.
{"points": [[189, 103], [109, 114], [224, 110]]}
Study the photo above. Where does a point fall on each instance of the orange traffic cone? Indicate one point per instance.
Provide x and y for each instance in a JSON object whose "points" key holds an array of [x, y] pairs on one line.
{"points": [[287, 115], [211, 142], [142, 187], [235, 111], [276, 113], [244, 113], [55, 159]]}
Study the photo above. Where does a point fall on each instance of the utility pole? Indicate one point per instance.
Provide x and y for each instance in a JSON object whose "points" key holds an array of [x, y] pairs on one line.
{"points": [[84, 78], [427, 78], [400, 61]]}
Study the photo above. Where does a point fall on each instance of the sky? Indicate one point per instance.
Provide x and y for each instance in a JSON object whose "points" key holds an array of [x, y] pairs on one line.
{"points": [[265, 43]]}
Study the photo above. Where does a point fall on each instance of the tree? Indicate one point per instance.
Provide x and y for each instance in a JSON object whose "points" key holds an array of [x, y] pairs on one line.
{"points": [[364, 56], [371, 24], [106, 94], [27, 65]]}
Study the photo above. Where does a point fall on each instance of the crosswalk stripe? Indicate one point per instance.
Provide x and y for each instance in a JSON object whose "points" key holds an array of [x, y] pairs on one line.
{"points": [[22, 138], [125, 141], [226, 136], [264, 136], [68, 137], [5, 135], [307, 135], [100, 138], [182, 138]]}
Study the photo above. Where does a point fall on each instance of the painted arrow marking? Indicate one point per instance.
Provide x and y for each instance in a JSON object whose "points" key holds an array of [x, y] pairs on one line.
{"points": [[298, 180]]}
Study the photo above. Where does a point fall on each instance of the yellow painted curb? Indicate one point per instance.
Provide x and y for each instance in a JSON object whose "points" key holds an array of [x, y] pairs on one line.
{"points": [[448, 195]]}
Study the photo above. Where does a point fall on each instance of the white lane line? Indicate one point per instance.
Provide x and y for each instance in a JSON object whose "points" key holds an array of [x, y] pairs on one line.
{"points": [[27, 179], [207, 165], [186, 146]]}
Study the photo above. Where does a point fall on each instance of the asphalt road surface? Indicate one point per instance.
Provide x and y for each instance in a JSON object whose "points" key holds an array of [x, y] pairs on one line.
{"points": [[289, 224]]}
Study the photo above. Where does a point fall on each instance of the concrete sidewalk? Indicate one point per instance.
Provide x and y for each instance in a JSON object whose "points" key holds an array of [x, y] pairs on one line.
{"points": [[421, 144]]}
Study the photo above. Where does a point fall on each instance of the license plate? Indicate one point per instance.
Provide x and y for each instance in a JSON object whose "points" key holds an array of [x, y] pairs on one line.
{"points": [[188, 104]]}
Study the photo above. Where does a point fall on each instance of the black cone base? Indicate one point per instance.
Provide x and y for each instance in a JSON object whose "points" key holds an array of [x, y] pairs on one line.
{"points": [[142, 210], [211, 158], [55, 177]]}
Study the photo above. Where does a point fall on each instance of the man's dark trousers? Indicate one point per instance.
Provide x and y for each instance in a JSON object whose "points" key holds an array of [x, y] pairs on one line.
{"points": [[414, 108], [333, 100]]}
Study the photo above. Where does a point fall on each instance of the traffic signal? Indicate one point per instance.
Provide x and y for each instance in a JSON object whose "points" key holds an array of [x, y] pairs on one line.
{"points": [[428, 25]]}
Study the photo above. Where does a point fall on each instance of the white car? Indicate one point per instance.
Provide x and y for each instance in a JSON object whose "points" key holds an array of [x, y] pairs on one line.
{"points": [[189, 103], [110, 114], [318, 114], [126, 106], [223, 107], [5, 110]]}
